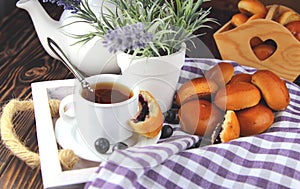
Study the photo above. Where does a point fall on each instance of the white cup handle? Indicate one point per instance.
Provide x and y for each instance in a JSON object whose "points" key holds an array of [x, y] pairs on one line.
{"points": [[67, 109]]}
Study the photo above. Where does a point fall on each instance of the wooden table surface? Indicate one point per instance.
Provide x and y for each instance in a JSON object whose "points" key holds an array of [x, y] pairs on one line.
{"points": [[24, 61]]}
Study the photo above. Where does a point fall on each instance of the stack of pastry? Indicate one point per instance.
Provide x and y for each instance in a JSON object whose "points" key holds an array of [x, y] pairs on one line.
{"points": [[291, 20], [244, 104], [254, 9], [249, 10]]}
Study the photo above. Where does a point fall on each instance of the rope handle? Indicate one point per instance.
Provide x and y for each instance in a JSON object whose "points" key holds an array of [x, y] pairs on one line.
{"points": [[9, 136]]}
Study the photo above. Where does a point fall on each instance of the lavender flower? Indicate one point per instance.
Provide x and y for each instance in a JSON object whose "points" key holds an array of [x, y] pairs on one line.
{"points": [[67, 4], [129, 37]]}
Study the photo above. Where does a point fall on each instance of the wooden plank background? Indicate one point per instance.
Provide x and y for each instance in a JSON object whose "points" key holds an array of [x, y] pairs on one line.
{"points": [[23, 61]]}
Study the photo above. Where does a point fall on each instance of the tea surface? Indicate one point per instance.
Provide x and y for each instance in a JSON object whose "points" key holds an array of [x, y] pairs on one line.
{"points": [[108, 93]]}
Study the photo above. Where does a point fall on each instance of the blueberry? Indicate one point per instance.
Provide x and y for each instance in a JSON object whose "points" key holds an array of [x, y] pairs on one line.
{"points": [[102, 145], [120, 146], [171, 116], [174, 105], [166, 131]]}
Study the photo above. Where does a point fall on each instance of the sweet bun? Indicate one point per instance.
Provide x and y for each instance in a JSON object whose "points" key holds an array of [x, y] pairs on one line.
{"points": [[237, 96], [199, 117], [149, 119], [273, 89], [196, 88], [287, 17], [260, 15], [294, 28], [239, 19], [241, 77], [251, 7], [230, 127], [264, 51], [220, 73], [255, 120], [255, 41]]}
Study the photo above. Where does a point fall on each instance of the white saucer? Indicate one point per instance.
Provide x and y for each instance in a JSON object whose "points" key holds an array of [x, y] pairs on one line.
{"points": [[68, 137]]}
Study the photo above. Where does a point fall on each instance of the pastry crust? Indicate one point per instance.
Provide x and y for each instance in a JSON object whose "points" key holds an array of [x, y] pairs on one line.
{"points": [[239, 19], [151, 126], [196, 88], [287, 17], [273, 89], [221, 73], [255, 41], [294, 28], [237, 96], [230, 127], [199, 117], [252, 7], [264, 51], [260, 15], [255, 120], [241, 77]]}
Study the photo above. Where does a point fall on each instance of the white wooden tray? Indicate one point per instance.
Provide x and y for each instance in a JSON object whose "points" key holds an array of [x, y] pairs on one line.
{"points": [[52, 174]]}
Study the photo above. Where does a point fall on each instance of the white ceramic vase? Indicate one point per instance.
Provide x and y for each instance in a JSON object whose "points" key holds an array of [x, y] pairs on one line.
{"points": [[158, 75]]}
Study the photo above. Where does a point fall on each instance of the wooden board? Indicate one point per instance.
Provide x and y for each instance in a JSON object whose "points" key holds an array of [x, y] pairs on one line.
{"points": [[52, 173], [234, 44]]}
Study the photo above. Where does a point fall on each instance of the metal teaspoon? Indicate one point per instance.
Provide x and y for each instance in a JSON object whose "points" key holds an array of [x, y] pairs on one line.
{"points": [[58, 51]]}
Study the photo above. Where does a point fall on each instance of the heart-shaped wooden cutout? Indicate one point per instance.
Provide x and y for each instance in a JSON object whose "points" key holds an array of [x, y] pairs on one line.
{"points": [[263, 49]]}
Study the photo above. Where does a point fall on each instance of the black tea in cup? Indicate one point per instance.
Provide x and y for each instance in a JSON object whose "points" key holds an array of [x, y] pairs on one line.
{"points": [[107, 93]]}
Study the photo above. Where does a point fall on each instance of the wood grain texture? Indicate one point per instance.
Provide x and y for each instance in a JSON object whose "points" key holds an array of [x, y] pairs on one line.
{"points": [[234, 44], [23, 61]]}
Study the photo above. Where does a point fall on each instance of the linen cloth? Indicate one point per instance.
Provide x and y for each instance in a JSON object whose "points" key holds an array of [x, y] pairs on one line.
{"points": [[267, 160]]}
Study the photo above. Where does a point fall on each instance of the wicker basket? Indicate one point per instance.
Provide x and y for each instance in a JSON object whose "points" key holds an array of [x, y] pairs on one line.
{"points": [[234, 44]]}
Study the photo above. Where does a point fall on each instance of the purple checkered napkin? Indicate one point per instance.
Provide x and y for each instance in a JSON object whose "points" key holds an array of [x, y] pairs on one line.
{"points": [[269, 160]]}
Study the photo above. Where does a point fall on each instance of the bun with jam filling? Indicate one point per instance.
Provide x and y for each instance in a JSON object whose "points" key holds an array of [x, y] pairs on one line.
{"points": [[149, 119]]}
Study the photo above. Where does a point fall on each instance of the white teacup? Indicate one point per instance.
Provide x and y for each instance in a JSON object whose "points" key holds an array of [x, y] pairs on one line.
{"points": [[98, 120]]}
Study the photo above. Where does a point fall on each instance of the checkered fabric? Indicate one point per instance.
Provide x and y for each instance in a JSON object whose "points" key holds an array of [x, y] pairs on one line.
{"points": [[268, 160]]}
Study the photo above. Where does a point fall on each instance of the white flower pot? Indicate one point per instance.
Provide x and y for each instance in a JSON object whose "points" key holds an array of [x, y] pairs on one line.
{"points": [[158, 75]]}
